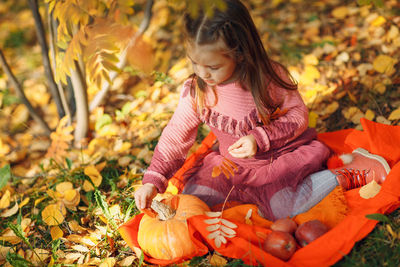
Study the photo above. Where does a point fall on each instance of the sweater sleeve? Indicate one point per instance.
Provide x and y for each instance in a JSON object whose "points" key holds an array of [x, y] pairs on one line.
{"points": [[291, 123], [175, 141]]}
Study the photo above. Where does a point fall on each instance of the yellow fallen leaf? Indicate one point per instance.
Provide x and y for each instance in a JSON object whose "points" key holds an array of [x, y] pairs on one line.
{"points": [[128, 261], [395, 115], [138, 252], [312, 119], [332, 107], [340, 12], [4, 148], [108, 262], [70, 194], [379, 21], [369, 190], [71, 198], [216, 260], [3, 253], [171, 188], [56, 232], [384, 64], [19, 116], [9, 236], [72, 257], [393, 33], [54, 214], [87, 186], [369, 115], [109, 130], [64, 186], [75, 227], [380, 88], [24, 202], [10, 212], [54, 194], [5, 200], [101, 166], [309, 75], [38, 256], [93, 174], [80, 248], [37, 201], [390, 230], [310, 60]]}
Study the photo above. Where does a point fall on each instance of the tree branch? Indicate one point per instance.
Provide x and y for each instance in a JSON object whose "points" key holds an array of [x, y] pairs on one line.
{"points": [[21, 94], [98, 98], [46, 61], [82, 111], [52, 46]]}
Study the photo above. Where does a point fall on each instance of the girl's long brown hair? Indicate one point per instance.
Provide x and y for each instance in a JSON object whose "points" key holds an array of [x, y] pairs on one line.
{"points": [[255, 70]]}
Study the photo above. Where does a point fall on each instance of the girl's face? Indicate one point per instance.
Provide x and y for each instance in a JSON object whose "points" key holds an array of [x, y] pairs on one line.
{"points": [[211, 63]]}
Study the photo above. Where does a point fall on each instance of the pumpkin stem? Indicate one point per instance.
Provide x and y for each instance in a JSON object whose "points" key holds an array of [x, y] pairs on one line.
{"points": [[164, 211]]}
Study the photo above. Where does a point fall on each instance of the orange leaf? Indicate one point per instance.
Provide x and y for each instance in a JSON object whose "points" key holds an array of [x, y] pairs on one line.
{"points": [[150, 212], [226, 172], [234, 166], [216, 171], [228, 168]]}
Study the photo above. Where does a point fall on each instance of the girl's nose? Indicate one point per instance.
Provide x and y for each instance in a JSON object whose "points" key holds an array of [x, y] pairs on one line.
{"points": [[203, 73]]}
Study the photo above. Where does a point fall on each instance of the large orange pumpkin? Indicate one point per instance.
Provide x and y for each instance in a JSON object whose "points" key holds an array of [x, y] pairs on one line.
{"points": [[166, 236]]}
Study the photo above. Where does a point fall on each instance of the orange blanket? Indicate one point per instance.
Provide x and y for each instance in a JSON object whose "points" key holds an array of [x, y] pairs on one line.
{"points": [[326, 250]]}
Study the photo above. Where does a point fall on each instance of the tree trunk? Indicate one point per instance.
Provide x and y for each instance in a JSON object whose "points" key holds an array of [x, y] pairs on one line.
{"points": [[45, 55]]}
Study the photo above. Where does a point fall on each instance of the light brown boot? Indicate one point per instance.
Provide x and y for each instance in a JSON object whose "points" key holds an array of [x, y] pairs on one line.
{"points": [[360, 168]]}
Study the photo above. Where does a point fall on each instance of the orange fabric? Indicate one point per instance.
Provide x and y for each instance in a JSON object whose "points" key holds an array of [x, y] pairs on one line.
{"points": [[178, 179], [329, 248], [331, 210]]}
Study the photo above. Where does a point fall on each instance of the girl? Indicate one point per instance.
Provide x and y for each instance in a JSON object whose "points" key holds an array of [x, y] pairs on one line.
{"points": [[253, 107]]}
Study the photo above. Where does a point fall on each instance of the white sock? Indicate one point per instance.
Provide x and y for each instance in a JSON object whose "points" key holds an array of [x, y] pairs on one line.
{"points": [[288, 203], [322, 183]]}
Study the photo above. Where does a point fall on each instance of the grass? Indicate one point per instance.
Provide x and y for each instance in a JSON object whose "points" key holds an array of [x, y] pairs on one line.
{"points": [[380, 248]]}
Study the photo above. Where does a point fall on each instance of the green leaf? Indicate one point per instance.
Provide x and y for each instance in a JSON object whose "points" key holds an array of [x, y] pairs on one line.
{"points": [[128, 211], [378, 3], [16, 228], [5, 175], [69, 163], [363, 2], [104, 207], [378, 217], [102, 121], [17, 261]]}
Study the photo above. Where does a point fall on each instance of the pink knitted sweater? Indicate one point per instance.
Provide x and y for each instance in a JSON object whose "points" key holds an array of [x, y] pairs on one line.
{"points": [[234, 115]]}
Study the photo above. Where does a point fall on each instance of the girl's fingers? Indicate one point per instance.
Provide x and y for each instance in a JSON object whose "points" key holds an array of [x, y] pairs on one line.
{"points": [[239, 153]]}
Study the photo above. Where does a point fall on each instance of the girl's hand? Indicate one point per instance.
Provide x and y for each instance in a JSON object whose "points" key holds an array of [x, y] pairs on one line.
{"points": [[144, 196], [245, 147]]}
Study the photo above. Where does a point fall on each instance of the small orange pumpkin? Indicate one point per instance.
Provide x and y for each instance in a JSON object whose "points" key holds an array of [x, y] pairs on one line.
{"points": [[166, 235]]}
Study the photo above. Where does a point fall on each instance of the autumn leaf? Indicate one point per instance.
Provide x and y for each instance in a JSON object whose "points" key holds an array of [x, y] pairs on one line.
{"points": [[5, 200], [395, 114], [56, 232], [94, 175], [53, 214], [384, 64]]}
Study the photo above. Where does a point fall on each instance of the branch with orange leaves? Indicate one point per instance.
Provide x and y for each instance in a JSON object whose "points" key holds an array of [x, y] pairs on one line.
{"points": [[99, 97]]}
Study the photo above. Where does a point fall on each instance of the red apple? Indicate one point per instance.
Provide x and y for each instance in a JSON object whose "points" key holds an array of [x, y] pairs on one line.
{"points": [[284, 225], [309, 231], [280, 244]]}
